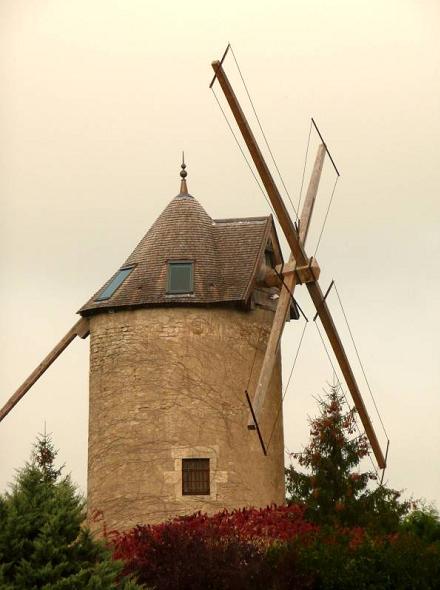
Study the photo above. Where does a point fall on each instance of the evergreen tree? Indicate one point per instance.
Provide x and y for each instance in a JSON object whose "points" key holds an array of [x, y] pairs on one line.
{"points": [[424, 521], [333, 488], [43, 544]]}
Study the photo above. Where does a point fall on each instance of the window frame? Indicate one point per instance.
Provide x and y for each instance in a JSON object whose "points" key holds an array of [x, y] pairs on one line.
{"points": [[176, 263], [187, 483], [126, 267]]}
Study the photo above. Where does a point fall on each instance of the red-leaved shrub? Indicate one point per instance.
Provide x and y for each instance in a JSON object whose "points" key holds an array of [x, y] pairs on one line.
{"points": [[273, 549], [224, 551]]}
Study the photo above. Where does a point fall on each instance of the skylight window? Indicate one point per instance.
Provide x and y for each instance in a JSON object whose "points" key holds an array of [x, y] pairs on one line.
{"points": [[116, 282], [180, 277]]}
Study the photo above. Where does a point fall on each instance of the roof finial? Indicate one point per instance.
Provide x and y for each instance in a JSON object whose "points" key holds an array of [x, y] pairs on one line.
{"points": [[183, 175]]}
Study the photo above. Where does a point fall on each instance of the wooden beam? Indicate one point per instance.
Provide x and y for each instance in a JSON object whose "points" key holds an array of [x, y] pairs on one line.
{"points": [[304, 274], [309, 202], [301, 259], [266, 177], [309, 273], [81, 328]]}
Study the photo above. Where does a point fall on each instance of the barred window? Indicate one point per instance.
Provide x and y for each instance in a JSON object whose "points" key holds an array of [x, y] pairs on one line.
{"points": [[195, 477]]}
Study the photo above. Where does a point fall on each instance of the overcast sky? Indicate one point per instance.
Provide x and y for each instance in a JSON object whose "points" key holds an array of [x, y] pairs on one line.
{"points": [[98, 98]]}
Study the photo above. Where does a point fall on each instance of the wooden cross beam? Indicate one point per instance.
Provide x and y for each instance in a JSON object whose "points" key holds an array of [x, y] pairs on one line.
{"points": [[304, 274], [299, 257]]}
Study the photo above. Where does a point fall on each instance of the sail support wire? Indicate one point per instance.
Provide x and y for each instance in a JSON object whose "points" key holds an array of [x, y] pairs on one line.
{"points": [[243, 153], [262, 131], [326, 215], [229, 48], [360, 362], [339, 383], [306, 323], [304, 170]]}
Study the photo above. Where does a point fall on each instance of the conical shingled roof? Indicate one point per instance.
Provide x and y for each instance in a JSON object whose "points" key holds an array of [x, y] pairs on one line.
{"points": [[224, 253]]}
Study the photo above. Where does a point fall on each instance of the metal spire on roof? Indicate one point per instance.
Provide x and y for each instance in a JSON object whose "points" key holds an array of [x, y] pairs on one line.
{"points": [[183, 175]]}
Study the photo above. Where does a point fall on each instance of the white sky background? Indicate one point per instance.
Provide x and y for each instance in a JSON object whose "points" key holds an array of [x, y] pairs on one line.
{"points": [[98, 98]]}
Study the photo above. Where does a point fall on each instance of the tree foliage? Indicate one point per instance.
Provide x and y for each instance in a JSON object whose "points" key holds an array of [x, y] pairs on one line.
{"points": [[424, 522], [333, 488], [42, 541]]}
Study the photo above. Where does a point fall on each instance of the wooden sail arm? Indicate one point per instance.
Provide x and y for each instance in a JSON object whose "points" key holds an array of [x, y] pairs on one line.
{"points": [[312, 191], [273, 342], [263, 170], [287, 289], [81, 329], [299, 256]]}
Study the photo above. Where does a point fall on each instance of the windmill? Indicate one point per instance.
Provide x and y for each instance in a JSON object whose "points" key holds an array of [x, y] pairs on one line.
{"points": [[174, 333]]}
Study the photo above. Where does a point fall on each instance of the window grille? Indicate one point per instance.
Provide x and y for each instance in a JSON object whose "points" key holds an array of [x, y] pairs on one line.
{"points": [[195, 477]]}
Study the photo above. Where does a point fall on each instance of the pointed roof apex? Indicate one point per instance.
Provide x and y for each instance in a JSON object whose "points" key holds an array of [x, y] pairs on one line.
{"points": [[183, 175]]}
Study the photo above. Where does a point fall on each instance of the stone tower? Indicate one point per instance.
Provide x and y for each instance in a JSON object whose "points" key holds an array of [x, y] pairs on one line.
{"points": [[176, 337]]}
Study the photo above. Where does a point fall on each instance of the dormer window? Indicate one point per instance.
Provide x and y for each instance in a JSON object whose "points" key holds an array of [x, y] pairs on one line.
{"points": [[116, 282], [180, 277]]}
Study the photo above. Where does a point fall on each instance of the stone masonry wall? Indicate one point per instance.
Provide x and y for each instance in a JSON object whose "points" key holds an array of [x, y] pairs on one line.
{"points": [[167, 384]]}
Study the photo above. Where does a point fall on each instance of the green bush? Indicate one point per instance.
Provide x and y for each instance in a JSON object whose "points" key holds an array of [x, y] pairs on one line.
{"points": [[42, 541]]}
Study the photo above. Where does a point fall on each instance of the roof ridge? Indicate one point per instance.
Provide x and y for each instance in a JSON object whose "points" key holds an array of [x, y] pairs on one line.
{"points": [[242, 219]]}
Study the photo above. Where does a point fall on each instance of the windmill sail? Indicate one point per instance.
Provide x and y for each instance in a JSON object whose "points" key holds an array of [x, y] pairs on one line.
{"points": [[298, 252]]}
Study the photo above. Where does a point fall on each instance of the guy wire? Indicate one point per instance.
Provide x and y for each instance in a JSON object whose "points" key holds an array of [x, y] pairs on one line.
{"points": [[326, 215], [343, 393], [304, 169], [262, 131], [243, 154], [360, 362], [335, 375], [287, 385]]}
